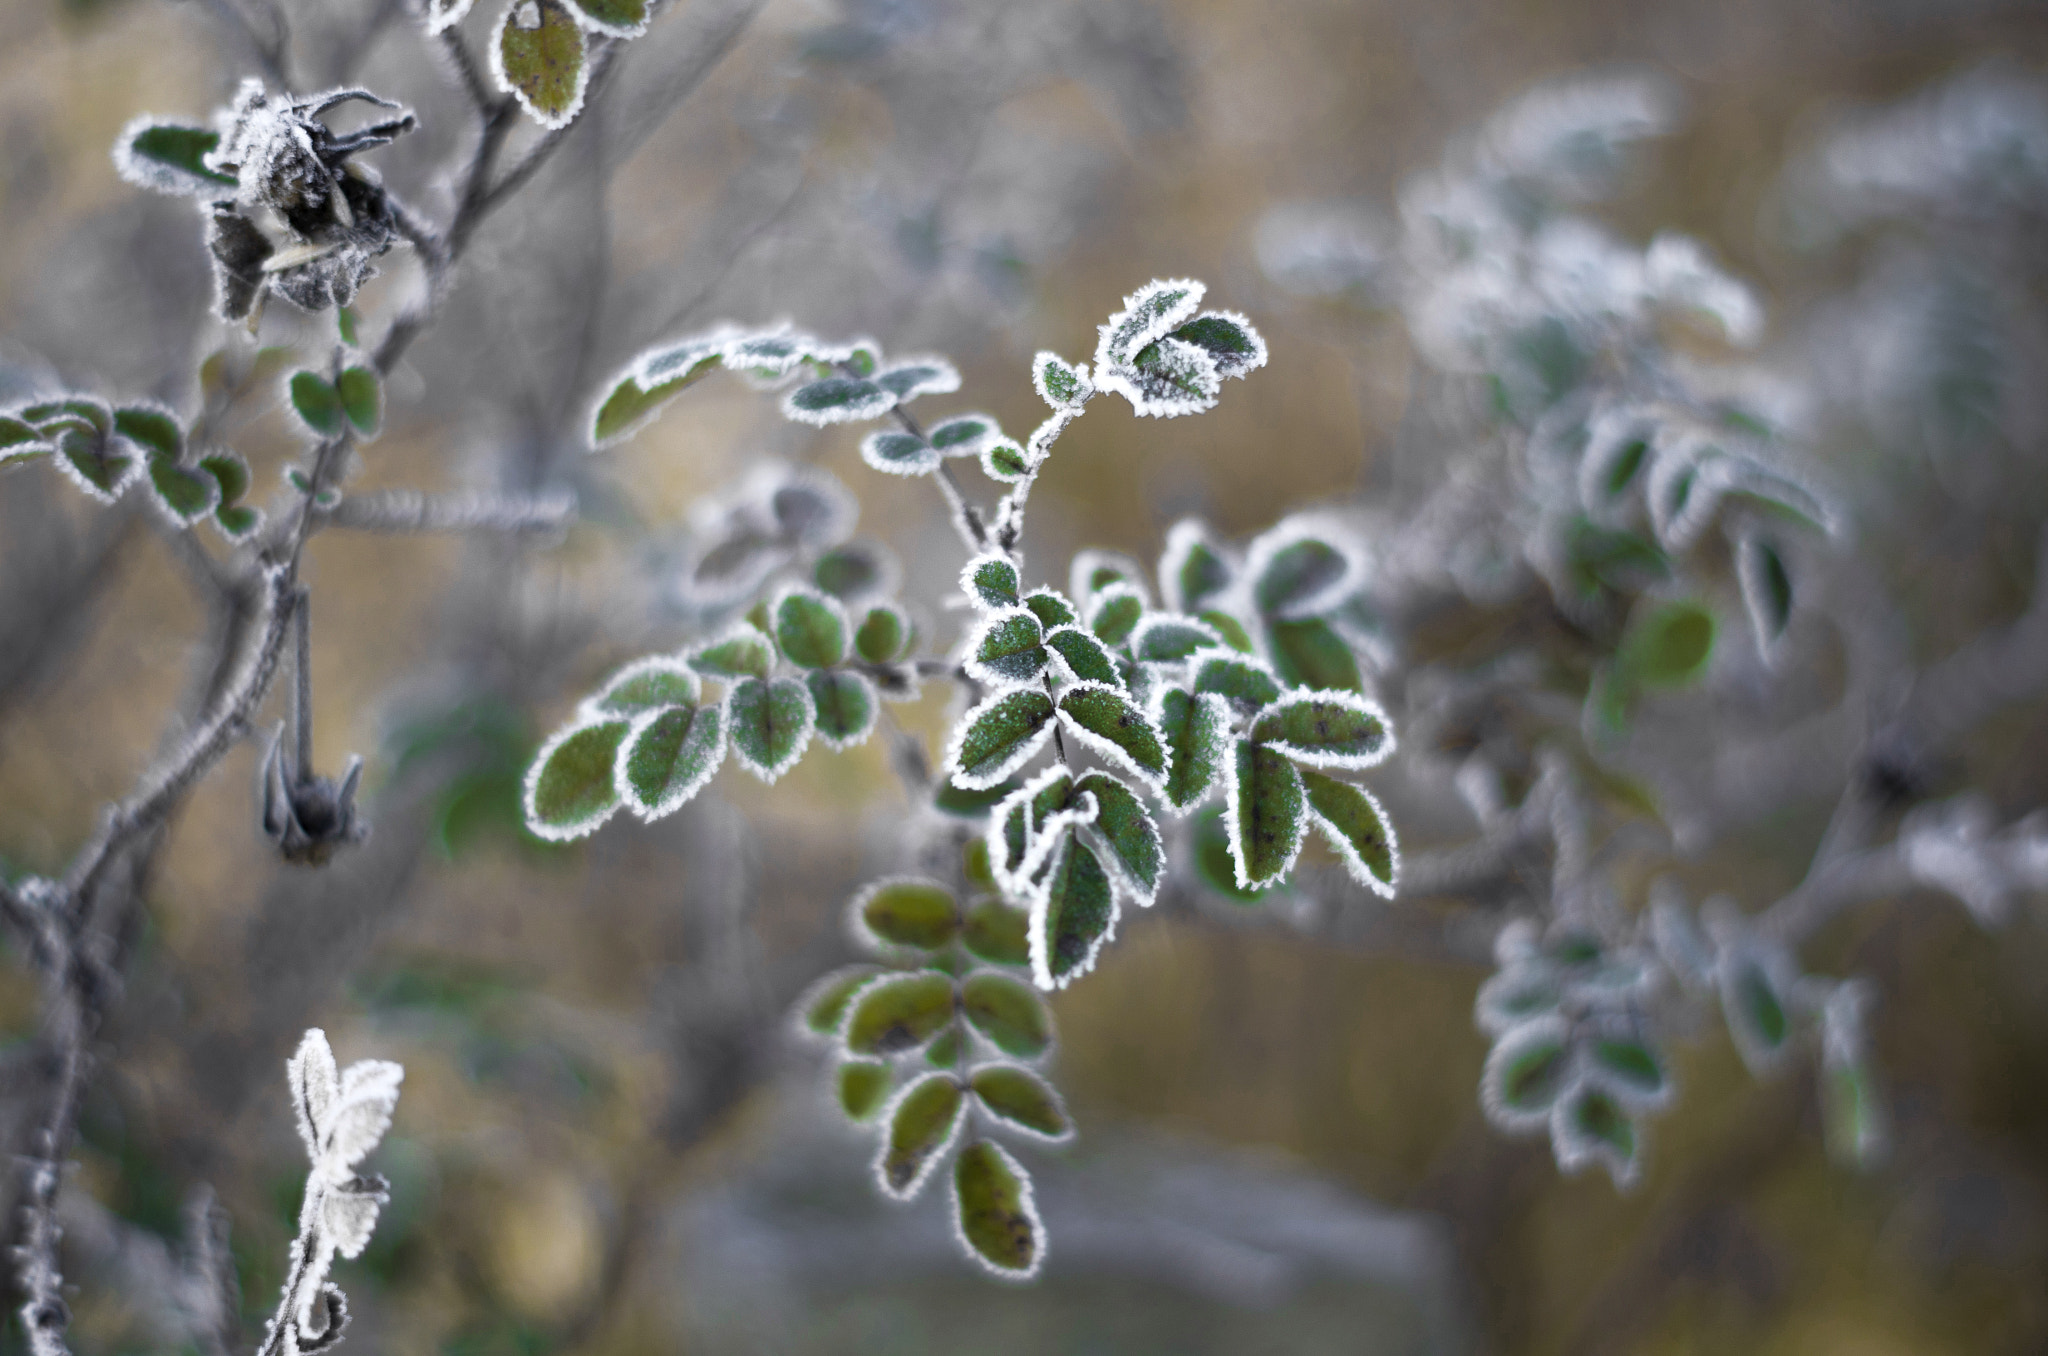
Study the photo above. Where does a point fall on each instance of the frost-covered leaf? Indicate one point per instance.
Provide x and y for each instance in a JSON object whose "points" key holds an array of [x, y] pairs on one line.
{"points": [[1265, 814], [93, 459], [1229, 339], [1051, 607], [1243, 681], [1669, 645], [184, 493], [965, 435], [837, 400], [1008, 647], [1125, 827], [315, 1082], [1766, 589], [1310, 653], [846, 704], [899, 454], [170, 157], [1093, 570], [998, 737], [152, 428], [669, 757], [1005, 463], [923, 1122], [945, 1052], [990, 582], [898, 1013], [1326, 730], [767, 356], [1169, 378], [348, 1214], [1197, 732], [1587, 1126], [1060, 383], [1114, 612], [538, 56], [1680, 944], [863, 1088], [1296, 572], [742, 652], [1021, 1100], [825, 1006], [997, 933], [971, 802], [362, 1111], [1517, 994], [769, 723], [1357, 830], [362, 399], [1082, 658], [655, 378], [316, 402], [1164, 638], [572, 788], [1756, 995], [614, 18], [1072, 915], [1116, 729], [993, 1213], [1213, 860], [1148, 315], [1005, 1011], [856, 570], [906, 911], [1230, 628], [908, 378], [1526, 1072], [645, 685], [1195, 568], [884, 634], [1618, 447], [1628, 1066], [20, 442], [811, 628]]}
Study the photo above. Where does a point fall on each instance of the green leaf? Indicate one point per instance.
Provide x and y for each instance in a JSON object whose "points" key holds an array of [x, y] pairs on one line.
{"points": [[1228, 339], [1766, 590], [1194, 569], [1599, 557], [1113, 728], [1668, 646], [899, 454], [831, 998], [970, 803], [846, 706], [170, 158], [1525, 1073], [1591, 1126], [1150, 313], [1060, 384], [1852, 1112], [538, 57], [1230, 628], [1293, 578], [884, 634], [1357, 830], [616, 18], [1311, 654], [1007, 1013], [945, 1052], [1085, 658], [742, 652], [571, 788], [907, 911], [1072, 915], [918, 376], [1326, 729], [1517, 994], [1006, 648], [1005, 463], [1115, 612], [837, 400], [994, 1213], [185, 494], [95, 462], [1124, 824], [855, 571], [863, 1088], [1022, 1100], [670, 758], [1246, 683], [811, 628], [923, 1121], [231, 474], [1197, 732], [1265, 814], [345, 324], [1753, 998], [644, 685], [1164, 638], [770, 724], [995, 931], [1214, 861], [998, 737], [1051, 607], [362, 398], [316, 403], [898, 1013], [154, 430], [990, 582], [638, 396], [964, 435], [1630, 1068], [20, 442]]}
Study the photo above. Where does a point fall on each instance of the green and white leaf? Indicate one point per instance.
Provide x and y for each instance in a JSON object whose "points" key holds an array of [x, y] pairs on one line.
{"points": [[1007, 648], [863, 1088], [170, 157], [1167, 638], [1022, 1101], [965, 435], [1006, 1012], [316, 402], [1326, 730], [643, 686], [1229, 339], [1766, 590], [742, 652], [1073, 915], [837, 400], [1168, 379], [1588, 1126], [884, 635], [670, 755], [823, 1009], [1357, 830], [1527, 1071], [1196, 568], [994, 1216], [899, 454], [1297, 569], [1059, 383], [923, 1120], [656, 377], [1757, 983], [770, 723], [1114, 613], [997, 932], [1310, 653], [184, 494], [846, 704], [1051, 607], [999, 736], [362, 399], [1130, 840], [1197, 729], [905, 912], [539, 56], [899, 1013], [1265, 814], [908, 378], [990, 582], [811, 628], [1116, 729], [1519, 993], [1079, 657], [572, 786], [1242, 680], [1149, 314], [1093, 570], [613, 18], [1623, 1060]]}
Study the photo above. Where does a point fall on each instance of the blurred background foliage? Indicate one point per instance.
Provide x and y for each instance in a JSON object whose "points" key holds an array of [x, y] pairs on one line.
{"points": [[605, 1145]]}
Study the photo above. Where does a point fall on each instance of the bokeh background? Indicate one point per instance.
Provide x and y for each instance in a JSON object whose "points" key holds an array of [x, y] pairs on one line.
{"points": [[606, 1141]]}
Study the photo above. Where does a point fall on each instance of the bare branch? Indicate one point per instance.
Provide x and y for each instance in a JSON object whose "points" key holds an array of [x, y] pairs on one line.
{"points": [[406, 511]]}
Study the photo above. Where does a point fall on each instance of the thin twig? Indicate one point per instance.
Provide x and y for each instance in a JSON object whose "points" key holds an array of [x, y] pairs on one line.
{"points": [[404, 511]]}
